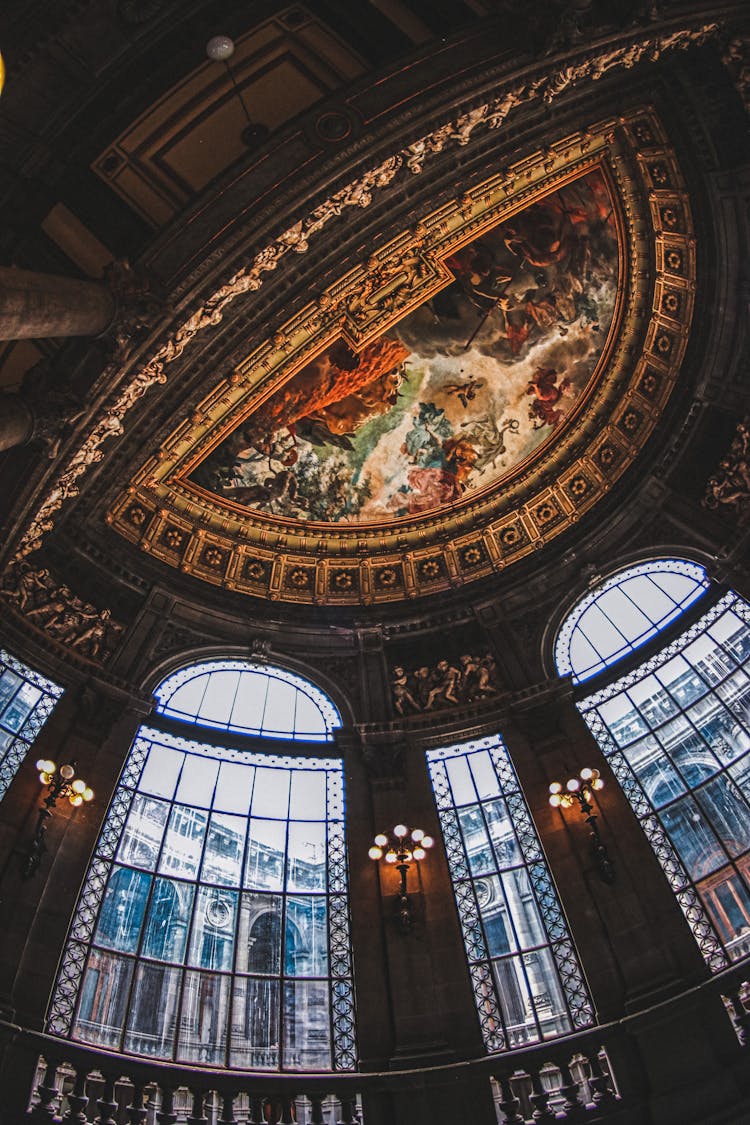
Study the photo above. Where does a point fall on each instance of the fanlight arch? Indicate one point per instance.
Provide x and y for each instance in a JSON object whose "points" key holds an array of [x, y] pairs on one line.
{"points": [[625, 611], [248, 697]]}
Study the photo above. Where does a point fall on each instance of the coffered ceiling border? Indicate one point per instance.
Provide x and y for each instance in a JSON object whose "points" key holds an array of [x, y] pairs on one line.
{"points": [[254, 553], [546, 82]]}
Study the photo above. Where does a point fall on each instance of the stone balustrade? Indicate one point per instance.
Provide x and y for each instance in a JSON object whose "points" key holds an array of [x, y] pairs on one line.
{"points": [[599, 1076]]}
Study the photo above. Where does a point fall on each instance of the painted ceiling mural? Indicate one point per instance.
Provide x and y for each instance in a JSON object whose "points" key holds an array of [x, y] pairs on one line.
{"points": [[457, 394], [449, 403]]}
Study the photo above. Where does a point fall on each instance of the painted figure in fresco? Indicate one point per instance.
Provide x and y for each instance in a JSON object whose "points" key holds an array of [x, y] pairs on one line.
{"points": [[488, 438], [544, 410], [465, 392], [455, 394]]}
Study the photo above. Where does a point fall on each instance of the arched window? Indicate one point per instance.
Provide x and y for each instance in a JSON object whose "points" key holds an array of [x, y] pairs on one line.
{"points": [[213, 925], [676, 731], [624, 612], [527, 982], [248, 698], [26, 701]]}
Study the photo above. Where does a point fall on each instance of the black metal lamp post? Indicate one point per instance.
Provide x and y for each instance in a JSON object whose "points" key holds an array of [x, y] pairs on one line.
{"points": [[60, 784], [398, 849], [581, 789]]}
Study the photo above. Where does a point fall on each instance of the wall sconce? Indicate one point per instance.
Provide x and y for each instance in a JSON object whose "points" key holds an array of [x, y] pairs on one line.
{"points": [[60, 784], [582, 789], [220, 49], [399, 848]]}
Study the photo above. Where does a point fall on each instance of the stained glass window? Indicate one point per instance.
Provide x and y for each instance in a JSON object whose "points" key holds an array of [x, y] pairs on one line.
{"points": [[26, 701], [677, 734], [249, 698], [527, 981], [213, 927], [624, 612]]}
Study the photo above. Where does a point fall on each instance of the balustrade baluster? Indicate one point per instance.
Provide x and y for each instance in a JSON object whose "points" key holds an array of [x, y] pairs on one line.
{"points": [[106, 1104], [137, 1111], [539, 1098], [348, 1112], [573, 1107], [601, 1091], [287, 1112], [316, 1110], [166, 1115], [256, 1111], [198, 1114], [227, 1110], [44, 1110], [509, 1103], [78, 1100]]}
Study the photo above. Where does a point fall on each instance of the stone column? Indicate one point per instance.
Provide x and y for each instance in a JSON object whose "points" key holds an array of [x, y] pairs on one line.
{"points": [[16, 421], [38, 305]]}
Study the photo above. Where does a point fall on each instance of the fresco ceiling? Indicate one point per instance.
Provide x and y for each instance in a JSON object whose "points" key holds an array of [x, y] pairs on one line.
{"points": [[454, 396], [452, 402]]}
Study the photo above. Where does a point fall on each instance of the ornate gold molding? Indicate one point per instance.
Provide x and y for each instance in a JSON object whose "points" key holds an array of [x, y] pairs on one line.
{"points": [[261, 554], [544, 83]]}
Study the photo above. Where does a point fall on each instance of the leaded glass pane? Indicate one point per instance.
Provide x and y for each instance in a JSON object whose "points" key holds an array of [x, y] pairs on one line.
{"points": [[103, 999], [153, 1012], [305, 1022], [183, 841], [170, 910], [693, 768], [259, 935], [26, 702], [199, 892], [526, 988], [204, 1019], [255, 1024], [122, 911]]}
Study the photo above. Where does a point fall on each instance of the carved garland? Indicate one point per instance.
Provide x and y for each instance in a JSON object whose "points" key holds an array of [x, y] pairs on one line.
{"points": [[258, 554], [491, 115]]}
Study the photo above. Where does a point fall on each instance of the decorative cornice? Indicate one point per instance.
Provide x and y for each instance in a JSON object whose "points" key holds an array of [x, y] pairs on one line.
{"points": [[264, 555], [542, 84]]}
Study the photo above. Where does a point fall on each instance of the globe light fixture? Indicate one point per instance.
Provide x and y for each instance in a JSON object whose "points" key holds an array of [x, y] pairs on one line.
{"points": [[61, 784], [581, 790], [220, 48], [400, 847]]}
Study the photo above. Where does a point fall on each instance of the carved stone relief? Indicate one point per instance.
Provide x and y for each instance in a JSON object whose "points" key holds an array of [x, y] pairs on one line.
{"points": [[60, 613]]}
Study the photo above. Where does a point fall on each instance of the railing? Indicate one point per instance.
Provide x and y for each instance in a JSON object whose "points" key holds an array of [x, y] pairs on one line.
{"points": [[596, 1076], [565, 1080]]}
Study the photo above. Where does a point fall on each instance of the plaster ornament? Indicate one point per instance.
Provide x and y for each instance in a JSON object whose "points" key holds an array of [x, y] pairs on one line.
{"points": [[359, 194]]}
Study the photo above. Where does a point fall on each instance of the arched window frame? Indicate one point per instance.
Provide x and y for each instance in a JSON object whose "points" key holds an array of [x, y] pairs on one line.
{"points": [[27, 699], [107, 864], [699, 614], [563, 968], [252, 672], [571, 624]]}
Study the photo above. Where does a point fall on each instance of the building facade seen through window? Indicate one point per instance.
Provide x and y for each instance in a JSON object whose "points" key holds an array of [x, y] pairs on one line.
{"points": [[26, 702], [676, 732], [525, 974], [213, 927]]}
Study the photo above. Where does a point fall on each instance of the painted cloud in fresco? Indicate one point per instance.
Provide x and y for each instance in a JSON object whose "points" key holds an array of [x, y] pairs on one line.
{"points": [[458, 393]]}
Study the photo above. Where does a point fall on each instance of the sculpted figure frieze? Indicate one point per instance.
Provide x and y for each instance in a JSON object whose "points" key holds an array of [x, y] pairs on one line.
{"points": [[60, 613], [449, 683]]}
